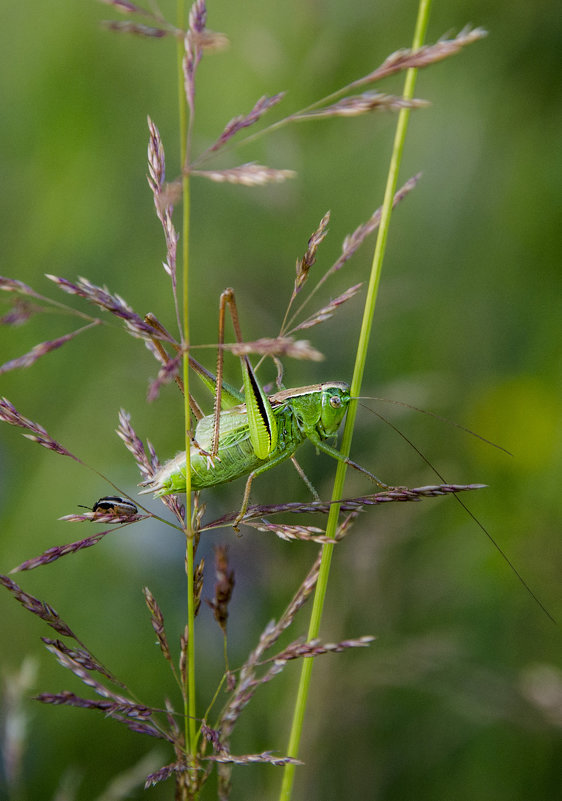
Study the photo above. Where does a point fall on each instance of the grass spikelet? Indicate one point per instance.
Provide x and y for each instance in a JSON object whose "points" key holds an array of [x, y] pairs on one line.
{"points": [[124, 6], [169, 372], [198, 585], [147, 464], [103, 298], [57, 551], [250, 174], [12, 285], [134, 716], [356, 105], [9, 414], [74, 661], [353, 241], [162, 199], [19, 313], [298, 649], [249, 759], [136, 29], [83, 657], [423, 56], [279, 346], [309, 258], [262, 106], [291, 532], [224, 585], [163, 773], [394, 495], [37, 607], [157, 620], [351, 244], [193, 49], [184, 639], [42, 349], [328, 311]]}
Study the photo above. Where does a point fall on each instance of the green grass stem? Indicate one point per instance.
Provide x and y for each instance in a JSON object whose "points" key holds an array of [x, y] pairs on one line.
{"points": [[361, 357], [185, 127]]}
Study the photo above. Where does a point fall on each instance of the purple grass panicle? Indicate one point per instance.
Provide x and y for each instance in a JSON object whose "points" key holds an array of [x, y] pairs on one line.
{"points": [[12, 285], [147, 464], [9, 414], [157, 620], [329, 310], [113, 303], [424, 56], [277, 346], [224, 585], [42, 349], [19, 313], [36, 607], [262, 106], [309, 258], [164, 209], [355, 105], [57, 551], [193, 49], [394, 495]]}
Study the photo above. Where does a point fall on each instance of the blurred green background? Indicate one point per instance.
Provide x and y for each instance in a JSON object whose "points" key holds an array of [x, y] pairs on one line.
{"points": [[461, 694]]}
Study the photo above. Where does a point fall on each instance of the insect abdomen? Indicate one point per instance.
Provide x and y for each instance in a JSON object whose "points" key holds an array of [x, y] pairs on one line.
{"points": [[237, 456]]}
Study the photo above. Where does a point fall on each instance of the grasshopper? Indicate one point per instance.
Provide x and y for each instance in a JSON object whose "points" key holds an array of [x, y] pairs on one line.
{"points": [[250, 432]]}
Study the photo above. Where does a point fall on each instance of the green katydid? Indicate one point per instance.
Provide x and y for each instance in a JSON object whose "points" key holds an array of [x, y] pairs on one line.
{"points": [[251, 432]]}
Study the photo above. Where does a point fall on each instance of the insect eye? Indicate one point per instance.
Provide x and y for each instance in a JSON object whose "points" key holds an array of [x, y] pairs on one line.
{"points": [[335, 401]]}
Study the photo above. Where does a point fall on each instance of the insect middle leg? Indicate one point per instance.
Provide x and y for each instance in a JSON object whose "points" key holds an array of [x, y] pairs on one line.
{"points": [[306, 479], [281, 457]]}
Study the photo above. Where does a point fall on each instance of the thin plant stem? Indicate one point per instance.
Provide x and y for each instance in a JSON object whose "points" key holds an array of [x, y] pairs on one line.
{"points": [[185, 127], [376, 268]]}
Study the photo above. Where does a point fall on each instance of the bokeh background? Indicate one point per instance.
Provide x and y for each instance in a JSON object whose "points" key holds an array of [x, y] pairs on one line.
{"points": [[461, 694]]}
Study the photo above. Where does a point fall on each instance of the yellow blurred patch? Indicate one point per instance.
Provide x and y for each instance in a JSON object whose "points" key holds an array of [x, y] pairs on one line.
{"points": [[522, 415]]}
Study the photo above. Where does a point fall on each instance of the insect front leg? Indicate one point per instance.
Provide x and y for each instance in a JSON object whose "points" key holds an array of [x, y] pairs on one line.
{"points": [[335, 454]]}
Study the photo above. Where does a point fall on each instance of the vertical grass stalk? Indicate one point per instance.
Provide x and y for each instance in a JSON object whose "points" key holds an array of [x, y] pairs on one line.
{"points": [[361, 356], [184, 126]]}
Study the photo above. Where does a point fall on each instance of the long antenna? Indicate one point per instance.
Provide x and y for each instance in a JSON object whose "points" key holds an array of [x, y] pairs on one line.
{"points": [[480, 525], [435, 416]]}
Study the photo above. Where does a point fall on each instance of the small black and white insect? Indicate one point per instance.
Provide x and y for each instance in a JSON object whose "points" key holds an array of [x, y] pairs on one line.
{"points": [[113, 505]]}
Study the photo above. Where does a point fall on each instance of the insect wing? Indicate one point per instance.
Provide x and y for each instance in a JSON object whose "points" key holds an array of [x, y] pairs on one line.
{"points": [[232, 420], [261, 421]]}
